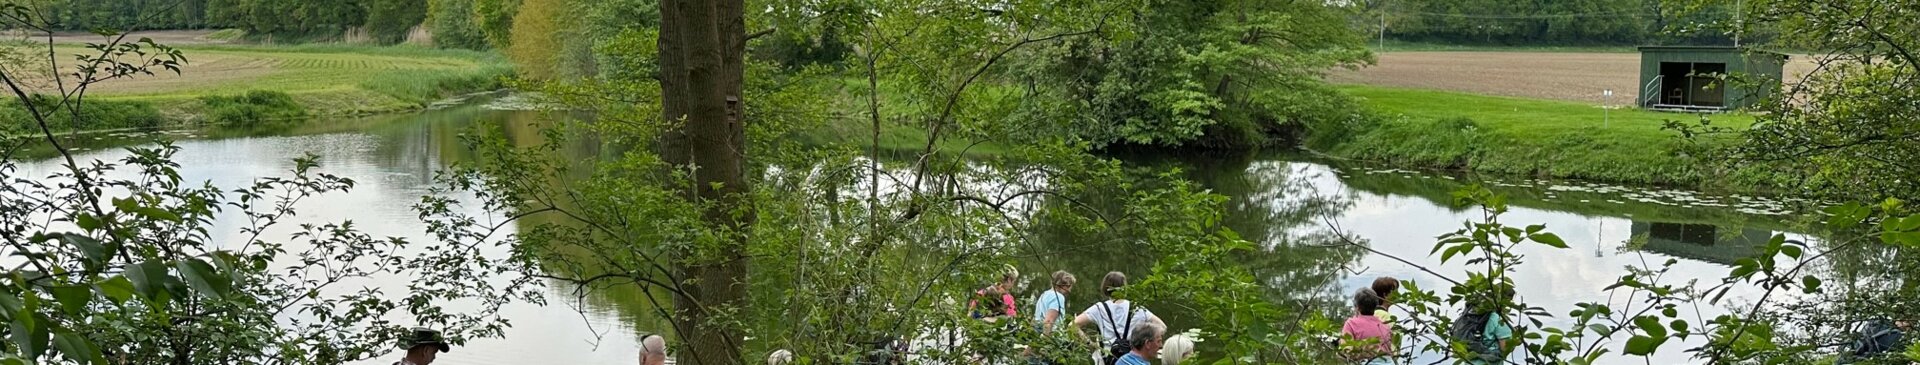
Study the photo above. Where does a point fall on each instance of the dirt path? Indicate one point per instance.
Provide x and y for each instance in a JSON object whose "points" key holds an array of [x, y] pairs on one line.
{"points": [[1545, 75]]}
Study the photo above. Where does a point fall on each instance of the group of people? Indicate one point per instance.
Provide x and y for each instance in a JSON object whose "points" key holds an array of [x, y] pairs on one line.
{"points": [[1371, 336], [1129, 334]]}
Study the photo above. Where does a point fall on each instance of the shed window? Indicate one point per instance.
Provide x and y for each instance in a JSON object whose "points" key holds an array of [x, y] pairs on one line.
{"points": [[1693, 84]]}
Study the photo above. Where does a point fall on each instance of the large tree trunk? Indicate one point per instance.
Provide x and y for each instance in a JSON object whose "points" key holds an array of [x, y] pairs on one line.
{"points": [[702, 48]]}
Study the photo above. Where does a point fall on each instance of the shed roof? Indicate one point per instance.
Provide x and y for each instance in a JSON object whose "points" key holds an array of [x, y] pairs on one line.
{"points": [[1727, 49]]}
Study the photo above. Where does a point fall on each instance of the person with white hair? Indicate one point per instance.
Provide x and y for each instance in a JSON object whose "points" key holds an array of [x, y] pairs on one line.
{"points": [[653, 350], [1177, 349], [1146, 340], [780, 357]]}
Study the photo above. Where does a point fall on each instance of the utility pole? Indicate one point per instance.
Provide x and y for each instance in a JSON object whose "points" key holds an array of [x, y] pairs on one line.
{"points": [[1739, 23], [1383, 28]]}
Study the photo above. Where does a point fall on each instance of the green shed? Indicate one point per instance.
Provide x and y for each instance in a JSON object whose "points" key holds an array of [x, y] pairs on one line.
{"points": [[1694, 78]]}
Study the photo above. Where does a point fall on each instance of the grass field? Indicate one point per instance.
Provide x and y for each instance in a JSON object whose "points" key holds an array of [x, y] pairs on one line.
{"points": [[1527, 73], [326, 79], [1530, 137], [1525, 114]]}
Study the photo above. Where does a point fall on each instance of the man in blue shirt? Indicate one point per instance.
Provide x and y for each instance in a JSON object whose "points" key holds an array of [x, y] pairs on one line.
{"points": [[1146, 340]]}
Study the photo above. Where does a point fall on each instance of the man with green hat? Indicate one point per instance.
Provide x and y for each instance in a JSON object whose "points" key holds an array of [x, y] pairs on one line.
{"points": [[423, 346]]}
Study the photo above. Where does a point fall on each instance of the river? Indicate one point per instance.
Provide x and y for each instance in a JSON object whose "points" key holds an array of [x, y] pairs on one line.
{"points": [[1288, 203]]}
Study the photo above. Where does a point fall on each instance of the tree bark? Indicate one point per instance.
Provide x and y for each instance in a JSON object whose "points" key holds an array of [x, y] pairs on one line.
{"points": [[702, 50]]}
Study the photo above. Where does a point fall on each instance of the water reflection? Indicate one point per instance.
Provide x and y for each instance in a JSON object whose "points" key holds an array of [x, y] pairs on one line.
{"points": [[1704, 242]]}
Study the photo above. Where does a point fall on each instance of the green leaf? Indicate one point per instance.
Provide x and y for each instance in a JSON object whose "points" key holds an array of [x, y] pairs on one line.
{"points": [[29, 334], [1907, 224], [117, 289], [1600, 329], [1651, 325], [86, 221], [1679, 325], [126, 204], [204, 278], [1791, 251], [1810, 284], [1847, 215], [1670, 312], [73, 299], [9, 304], [1643, 345], [77, 348], [157, 214], [95, 253], [1548, 239], [149, 277]]}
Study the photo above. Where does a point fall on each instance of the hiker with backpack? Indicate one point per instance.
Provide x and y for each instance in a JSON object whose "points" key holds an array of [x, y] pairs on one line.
{"points": [[1374, 338], [1115, 318], [1878, 337], [1482, 328]]}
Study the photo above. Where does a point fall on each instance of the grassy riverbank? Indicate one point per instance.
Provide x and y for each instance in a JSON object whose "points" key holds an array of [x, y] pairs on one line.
{"points": [[320, 80], [1527, 137]]}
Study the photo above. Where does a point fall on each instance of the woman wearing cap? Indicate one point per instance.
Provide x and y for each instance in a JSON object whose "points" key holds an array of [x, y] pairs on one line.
{"points": [[423, 346]]}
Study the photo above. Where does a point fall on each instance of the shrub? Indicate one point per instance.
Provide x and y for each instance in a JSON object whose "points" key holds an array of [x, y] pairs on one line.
{"points": [[95, 115], [252, 107], [425, 86]]}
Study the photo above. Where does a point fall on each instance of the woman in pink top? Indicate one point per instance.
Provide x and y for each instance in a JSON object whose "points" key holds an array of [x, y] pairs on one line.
{"points": [[998, 298], [1372, 337]]}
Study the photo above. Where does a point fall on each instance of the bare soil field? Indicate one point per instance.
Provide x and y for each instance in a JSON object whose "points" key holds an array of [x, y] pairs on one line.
{"points": [[1540, 75], [167, 37], [235, 70]]}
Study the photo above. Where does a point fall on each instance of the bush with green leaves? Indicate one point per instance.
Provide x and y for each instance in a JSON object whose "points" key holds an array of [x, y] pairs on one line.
{"points": [[252, 107], [96, 115]]}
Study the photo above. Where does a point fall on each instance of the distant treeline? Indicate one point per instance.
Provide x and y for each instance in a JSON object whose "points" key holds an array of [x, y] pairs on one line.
{"points": [[1550, 22], [385, 21]]}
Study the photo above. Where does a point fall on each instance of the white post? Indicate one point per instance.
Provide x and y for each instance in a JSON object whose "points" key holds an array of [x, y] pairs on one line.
{"points": [[1606, 109]]}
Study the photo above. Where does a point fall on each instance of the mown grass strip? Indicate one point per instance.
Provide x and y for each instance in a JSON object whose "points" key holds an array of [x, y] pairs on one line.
{"points": [[1528, 137]]}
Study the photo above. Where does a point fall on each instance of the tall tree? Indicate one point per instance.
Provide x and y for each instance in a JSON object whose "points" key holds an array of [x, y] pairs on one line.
{"points": [[702, 49]]}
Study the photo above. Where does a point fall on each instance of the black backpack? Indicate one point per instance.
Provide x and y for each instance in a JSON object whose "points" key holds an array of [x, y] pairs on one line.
{"points": [[1471, 329], [1120, 346], [1878, 337]]}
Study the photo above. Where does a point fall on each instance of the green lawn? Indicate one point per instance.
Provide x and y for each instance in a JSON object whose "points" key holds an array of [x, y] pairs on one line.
{"points": [[1533, 115], [1439, 129]]}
